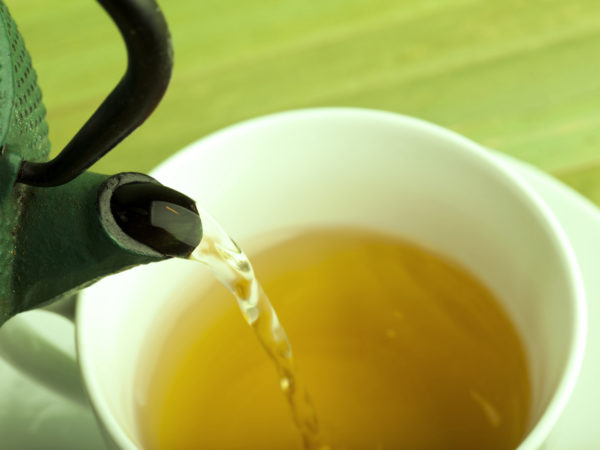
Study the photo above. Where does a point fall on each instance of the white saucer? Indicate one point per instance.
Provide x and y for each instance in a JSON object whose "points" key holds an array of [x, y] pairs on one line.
{"points": [[31, 416], [577, 428]]}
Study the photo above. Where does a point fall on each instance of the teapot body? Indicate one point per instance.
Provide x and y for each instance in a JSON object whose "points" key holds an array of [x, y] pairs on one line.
{"points": [[58, 227]]}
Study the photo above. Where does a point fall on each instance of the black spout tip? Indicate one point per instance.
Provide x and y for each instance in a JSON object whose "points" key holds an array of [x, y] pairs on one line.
{"points": [[157, 216], [147, 218]]}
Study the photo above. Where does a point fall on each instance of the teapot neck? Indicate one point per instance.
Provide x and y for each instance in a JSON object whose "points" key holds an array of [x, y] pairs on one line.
{"points": [[62, 245]]}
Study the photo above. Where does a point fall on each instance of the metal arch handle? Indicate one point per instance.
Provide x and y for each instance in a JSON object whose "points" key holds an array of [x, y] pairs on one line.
{"points": [[150, 62]]}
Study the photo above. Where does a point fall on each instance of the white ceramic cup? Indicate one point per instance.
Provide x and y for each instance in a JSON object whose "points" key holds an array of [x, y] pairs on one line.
{"points": [[351, 167]]}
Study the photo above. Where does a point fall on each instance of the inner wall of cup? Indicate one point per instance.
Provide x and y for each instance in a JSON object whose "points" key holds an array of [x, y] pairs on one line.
{"points": [[394, 177]]}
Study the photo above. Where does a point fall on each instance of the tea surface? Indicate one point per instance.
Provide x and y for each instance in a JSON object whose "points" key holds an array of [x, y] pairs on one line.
{"points": [[397, 347]]}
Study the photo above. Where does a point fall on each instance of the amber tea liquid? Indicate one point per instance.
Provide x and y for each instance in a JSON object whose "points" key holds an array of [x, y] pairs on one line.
{"points": [[393, 347]]}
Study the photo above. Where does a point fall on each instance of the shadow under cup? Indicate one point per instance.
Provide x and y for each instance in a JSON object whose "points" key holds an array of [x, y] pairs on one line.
{"points": [[354, 168]]}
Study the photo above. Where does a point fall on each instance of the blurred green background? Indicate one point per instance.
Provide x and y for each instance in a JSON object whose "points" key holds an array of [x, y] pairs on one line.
{"points": [[520, 76]]}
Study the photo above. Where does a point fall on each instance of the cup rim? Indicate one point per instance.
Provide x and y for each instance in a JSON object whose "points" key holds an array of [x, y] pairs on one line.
{"points": [[543, 426]]}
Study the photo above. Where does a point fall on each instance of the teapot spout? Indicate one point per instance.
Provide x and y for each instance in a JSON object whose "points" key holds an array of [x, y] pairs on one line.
{"points": [[72, 235]]}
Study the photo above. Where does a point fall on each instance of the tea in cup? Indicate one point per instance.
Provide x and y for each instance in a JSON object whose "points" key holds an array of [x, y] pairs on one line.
{"points": [[365, 203]]}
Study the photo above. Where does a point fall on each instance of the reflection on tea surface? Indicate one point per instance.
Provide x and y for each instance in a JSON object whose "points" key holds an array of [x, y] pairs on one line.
{"points": [[397, 347]]}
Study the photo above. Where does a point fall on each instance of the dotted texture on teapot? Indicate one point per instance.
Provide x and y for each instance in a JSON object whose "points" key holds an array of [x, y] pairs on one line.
{"points": [[23, 135]]}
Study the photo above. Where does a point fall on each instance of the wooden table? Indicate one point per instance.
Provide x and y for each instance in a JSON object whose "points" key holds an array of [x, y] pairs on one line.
{"points": [[520, 76]]}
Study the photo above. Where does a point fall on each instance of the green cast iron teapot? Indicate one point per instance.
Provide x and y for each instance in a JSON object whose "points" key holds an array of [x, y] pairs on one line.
{"points": [[62, 228]]}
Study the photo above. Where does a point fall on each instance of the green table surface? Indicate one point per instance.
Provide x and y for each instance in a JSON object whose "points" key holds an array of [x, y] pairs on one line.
{"points": [[519, 76]]}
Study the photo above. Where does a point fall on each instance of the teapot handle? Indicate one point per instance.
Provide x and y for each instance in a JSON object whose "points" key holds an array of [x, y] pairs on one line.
{"points": [[150, 62]]}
